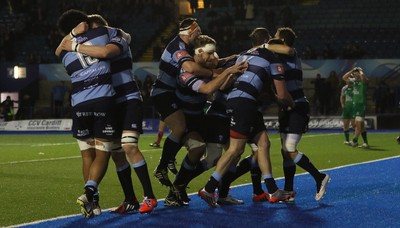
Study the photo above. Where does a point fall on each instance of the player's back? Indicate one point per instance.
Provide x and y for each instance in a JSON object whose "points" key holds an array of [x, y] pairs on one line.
{"points": [[123, 82], [91, 77], [293, 76], [171, 61], [262, 66]]}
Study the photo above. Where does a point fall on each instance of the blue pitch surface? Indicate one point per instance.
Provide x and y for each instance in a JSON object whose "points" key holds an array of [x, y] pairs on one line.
{"points": [[361, 195]]}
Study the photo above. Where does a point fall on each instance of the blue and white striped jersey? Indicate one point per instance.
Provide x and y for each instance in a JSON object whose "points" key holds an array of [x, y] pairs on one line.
{"points": [[123, 82], [174, 55], [293, 76], [263, 65], [190, 100], [91, 77]]}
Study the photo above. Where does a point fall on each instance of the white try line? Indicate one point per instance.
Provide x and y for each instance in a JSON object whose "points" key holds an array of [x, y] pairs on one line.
{"points": [[49, 144], [54, 159], [74, 157]]}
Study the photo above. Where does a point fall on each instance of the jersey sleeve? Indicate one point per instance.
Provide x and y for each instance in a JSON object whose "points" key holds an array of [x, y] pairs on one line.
{"points": [[189, 81], [181, 56], [117, 38], [277, 71]]}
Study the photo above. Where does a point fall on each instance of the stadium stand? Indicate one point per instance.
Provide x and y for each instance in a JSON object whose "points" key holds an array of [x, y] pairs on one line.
{"points": [[349, 29], [326, 29]]}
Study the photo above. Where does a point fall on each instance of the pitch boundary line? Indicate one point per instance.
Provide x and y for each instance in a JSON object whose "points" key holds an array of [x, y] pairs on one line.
{"points": [[53, 159], [74, 157]]}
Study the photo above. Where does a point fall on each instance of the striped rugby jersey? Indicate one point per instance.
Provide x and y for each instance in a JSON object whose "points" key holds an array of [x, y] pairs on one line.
{"points": [[174, 55], [90, 77]]}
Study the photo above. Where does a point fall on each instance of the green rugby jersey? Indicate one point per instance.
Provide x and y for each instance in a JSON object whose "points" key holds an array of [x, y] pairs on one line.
{"points": [[347, 92], [359, 92]]}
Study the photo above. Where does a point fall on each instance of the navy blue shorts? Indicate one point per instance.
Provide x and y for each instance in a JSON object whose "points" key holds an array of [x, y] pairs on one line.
{"points": [[296, 120], [217, 129], [166, 104], [94, 119], [195, 123], [245, 118], [130, 116]]}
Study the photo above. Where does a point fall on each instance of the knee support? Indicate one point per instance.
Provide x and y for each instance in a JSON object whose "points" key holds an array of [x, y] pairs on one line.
{"points": [[86, 144], [192, 144], [290, 141], [104, 146], [131, 138], [213, 153]]}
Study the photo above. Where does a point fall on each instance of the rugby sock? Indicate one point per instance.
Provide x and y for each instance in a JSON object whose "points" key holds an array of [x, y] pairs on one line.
{"points": [[213, 182], [159, 136], [289, 170], [256, 180], [355, 140], [170, 149], [243, 167], [174, 149], [185, 173], [143, 175], [234, 173], [305, 163], [347, 135], [125, 179], [227, 179], [90, 189], [199, 170], [270, 183], [364, 136]]}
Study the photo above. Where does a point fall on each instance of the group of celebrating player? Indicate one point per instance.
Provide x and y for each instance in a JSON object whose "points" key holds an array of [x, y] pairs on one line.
{"points": [[210, 104]]}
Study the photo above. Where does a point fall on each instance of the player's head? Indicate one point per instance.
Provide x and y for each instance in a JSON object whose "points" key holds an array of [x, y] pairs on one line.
{"points": [[69, 19], [259, 36], [205, 51], [287, 35], [189, 27], [96, 20]]}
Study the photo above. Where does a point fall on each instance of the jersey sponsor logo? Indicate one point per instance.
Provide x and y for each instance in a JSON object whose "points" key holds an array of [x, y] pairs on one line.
{"points": [[181, 54], [280, 68], [83, 132], [108, 130], [184, 77]]}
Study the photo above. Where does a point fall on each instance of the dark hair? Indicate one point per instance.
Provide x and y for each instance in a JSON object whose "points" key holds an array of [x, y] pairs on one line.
{"points": [[98, 19], [259, 36], [186, 23], [70, 19], [287, 35]]}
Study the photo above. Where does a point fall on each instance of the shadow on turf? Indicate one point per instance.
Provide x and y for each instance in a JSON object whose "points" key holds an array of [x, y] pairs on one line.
{"points": [[200, 215]]}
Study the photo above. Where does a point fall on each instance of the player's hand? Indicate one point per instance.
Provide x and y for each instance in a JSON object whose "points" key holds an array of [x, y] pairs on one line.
{"points": [[238, 68], [66, 45], [81, 28]]}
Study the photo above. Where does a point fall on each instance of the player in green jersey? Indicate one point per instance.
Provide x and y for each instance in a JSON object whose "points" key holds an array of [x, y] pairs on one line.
{"points": [[359, 103], [346, 101]]}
